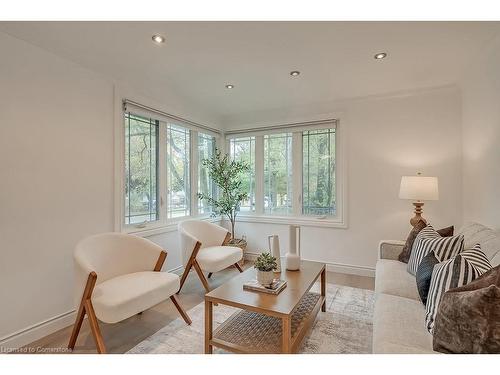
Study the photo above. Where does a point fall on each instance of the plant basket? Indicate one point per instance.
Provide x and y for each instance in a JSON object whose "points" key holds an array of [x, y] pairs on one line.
{"points": [[242, 244]]}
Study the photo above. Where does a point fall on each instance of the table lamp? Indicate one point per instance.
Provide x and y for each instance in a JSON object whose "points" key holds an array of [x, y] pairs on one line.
{"points": [[418, 189]]}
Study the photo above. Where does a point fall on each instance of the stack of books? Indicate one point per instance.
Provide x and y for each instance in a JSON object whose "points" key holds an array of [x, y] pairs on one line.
{"points": [[276, 287]]}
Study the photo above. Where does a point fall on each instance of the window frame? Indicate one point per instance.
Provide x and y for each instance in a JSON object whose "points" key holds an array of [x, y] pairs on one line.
{"points": [[163, 224], [221, 141], [296, 217]]}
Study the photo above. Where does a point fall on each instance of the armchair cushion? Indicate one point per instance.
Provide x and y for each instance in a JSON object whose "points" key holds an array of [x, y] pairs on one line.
{"points": [[121, 297], [217, 258]]}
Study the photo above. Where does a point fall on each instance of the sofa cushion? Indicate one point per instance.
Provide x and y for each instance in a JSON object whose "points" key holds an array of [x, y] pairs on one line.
{"points": [[424, 275], [429, 240], [121, 297], [398, 326], [468, 318], [453, 273], [489, 239], [392, 278], [405, 253]]}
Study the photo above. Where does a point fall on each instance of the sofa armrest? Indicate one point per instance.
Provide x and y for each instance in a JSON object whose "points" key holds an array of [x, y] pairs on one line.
{"points": [[390, 249]]}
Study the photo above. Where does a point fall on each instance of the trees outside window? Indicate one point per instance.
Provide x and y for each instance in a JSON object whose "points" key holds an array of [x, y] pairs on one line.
{"points": [[178, 159], [278, 174], [141, 177], [206, 186], [318, 176], [243, 150]]}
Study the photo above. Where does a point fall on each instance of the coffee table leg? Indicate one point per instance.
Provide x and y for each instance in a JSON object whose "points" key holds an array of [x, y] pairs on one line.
{"points": [[323, 289], [208, 326], [286, 326]]}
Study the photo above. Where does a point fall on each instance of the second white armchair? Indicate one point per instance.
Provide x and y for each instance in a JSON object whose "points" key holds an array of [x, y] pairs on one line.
{"points": [[203, 248]]}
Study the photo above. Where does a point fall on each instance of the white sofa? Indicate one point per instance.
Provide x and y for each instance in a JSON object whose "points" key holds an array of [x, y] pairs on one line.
{"points": [[398, 322]]}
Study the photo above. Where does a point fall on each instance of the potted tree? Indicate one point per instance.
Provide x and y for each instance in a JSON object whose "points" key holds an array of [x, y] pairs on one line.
{"points": [[226, 174], [265, 264]]}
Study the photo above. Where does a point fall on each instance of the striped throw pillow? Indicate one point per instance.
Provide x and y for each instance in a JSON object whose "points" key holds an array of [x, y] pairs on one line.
{"points": [[428, 240], [453, 273]]}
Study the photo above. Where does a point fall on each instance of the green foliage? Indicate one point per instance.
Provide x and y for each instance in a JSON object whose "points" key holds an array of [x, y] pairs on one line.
{"points": [[140, 171], [226, 174], [265, 262]]}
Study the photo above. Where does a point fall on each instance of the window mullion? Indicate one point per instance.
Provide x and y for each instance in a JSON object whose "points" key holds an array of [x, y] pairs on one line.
{"points": [[297, 169], [194, 153], [162, 172], [259, 174]]}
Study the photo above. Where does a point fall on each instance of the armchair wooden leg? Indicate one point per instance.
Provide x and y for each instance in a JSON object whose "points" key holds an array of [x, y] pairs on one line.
{"points": [[181, 310], [209, 275], [185, 275], [201, 276], [85, 309], [77, 326], [94, 326], [191, 262], [238, 267]]}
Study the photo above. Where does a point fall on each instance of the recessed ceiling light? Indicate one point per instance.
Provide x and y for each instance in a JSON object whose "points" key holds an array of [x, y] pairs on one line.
{"points": [[294, 73], [229, 86], [380, 56], [158, 39]]}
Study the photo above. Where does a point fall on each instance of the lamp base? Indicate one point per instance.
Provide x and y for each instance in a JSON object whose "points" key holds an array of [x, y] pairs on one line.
{"points": [[418, 214]]}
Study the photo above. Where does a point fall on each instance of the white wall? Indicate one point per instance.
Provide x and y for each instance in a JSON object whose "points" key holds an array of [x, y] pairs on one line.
{"points": [[387, 137], [481, 139], [57, 181]]}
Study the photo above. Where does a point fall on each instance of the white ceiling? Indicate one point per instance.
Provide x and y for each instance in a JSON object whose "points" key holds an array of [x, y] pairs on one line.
{"points": [[335, 58]]}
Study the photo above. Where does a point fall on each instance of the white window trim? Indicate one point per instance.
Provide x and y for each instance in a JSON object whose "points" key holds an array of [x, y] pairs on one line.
{"points": [[162, 225], [258, 216]]}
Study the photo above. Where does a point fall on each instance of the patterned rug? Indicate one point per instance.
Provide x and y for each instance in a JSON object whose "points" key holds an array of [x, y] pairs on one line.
{"points": [[346, 327]]}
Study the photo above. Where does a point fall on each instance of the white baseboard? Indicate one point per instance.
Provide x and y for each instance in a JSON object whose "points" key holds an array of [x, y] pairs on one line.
{"points": [[36, 331], [44, 328], [350, 269], [333, 267]]}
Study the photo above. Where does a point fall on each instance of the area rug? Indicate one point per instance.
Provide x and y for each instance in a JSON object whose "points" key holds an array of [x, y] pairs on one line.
{"points": [[346, 327]]}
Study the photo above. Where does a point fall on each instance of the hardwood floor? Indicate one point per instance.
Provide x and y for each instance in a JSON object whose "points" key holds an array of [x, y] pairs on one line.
{"points": [[121, 337]]}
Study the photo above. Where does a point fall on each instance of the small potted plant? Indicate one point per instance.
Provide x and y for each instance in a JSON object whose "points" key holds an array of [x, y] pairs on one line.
{"points": [[265, 264]]}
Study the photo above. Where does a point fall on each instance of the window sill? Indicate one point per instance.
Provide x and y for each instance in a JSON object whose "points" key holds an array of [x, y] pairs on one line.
{"points": [[153, 229], [302, 220]]}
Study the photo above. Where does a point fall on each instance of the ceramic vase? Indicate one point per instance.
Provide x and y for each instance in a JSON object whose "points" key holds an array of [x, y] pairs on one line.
{"points": [[292, 258], [274, 250]]}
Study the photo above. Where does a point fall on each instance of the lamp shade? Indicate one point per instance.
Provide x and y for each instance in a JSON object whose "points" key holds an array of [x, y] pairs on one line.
{"points": [[419, 188]]}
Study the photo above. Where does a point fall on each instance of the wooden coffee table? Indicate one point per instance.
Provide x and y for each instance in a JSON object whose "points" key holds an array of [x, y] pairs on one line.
{"points": [[266, 323]]}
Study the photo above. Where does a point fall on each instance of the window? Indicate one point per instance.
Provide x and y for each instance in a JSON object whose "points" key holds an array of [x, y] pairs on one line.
{"points": [[178, 176], [294, 174], [141, 171], [206, 150], [318, 177], [162, 172], [243, 149], [278, 174]]}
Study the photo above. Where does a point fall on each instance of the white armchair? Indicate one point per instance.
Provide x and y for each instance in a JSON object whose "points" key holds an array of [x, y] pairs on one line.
{"points": [[117, 276], [202, 246]]}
